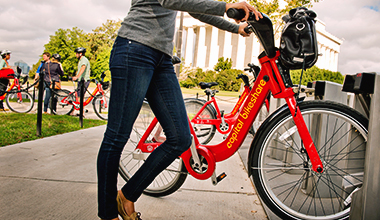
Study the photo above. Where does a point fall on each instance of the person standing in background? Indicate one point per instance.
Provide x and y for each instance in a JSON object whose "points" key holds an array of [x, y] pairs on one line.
{"points": [[84, 70], [5, 55]]}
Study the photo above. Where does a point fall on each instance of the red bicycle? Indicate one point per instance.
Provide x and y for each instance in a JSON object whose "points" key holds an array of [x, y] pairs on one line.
{"points": [[18, 99], [206, 116], [306, 159], [67, 101]]}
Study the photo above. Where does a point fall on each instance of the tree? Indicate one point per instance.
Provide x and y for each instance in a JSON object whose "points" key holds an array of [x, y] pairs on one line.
{"points": [[101, 64], [98, 44], [64, 43], [314, 74], [223, 64]]}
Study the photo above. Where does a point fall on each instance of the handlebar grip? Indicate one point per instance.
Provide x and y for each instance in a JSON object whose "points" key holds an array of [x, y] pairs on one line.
{"points": [[248, 29], [234, 13]]}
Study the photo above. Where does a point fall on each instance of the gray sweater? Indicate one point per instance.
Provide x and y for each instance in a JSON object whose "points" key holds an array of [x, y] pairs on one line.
{"points": [[152, 22]]}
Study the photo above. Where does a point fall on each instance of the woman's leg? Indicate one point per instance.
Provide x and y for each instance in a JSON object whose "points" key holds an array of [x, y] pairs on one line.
{"points": [[132, 67], [165, 99]]}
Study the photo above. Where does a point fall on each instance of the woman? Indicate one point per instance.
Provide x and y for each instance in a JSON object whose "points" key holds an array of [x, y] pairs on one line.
{"points": [[140, 65], [5, 55], [53, 72]]}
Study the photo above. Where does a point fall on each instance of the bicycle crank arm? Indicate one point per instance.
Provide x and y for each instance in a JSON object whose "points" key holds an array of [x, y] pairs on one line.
{"points": [[194, 153]]}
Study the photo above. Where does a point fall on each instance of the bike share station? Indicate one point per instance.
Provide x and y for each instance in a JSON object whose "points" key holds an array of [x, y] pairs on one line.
{"points": [[361, 92]]}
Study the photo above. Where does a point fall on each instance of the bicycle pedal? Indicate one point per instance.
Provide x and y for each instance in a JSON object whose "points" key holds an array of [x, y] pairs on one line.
{"points": [[215, 180], [221, 177]]}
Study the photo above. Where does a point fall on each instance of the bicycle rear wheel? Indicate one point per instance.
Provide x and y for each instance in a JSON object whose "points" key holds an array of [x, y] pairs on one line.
{"points": [[204, 132], [20, 102], [169, 180], [101, 105], [59, 102], [281, 169]]}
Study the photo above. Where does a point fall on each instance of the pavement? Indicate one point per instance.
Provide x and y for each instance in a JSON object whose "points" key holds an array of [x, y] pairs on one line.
{"points": [[55, 178]]}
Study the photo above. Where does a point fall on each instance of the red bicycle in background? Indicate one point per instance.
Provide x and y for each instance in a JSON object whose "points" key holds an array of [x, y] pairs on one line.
{"points": [[67, 101], [306, 159], [18, 99], [206, 116]]}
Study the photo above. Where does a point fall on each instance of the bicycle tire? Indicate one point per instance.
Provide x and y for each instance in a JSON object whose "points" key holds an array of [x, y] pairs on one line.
{"points": [[62, 108], [20, 106], [282, 172], [204, 132], [169, 180], [100, 108]]}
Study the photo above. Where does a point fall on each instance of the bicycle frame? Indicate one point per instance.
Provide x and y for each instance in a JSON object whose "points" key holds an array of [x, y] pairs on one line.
{"points": [[268, 80], [16, 84], [76, 103], [229, 118]]}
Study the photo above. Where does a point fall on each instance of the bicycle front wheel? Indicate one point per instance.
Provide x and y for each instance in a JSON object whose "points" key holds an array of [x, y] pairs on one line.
{"points": [[60, 102], [169, 180], [20, 102], [204, 132], [101, 105], [281, 169]]}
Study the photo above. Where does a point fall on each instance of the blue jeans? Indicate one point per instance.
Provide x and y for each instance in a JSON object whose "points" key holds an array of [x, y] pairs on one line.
{"points": [[47, 96], [139, 71]]}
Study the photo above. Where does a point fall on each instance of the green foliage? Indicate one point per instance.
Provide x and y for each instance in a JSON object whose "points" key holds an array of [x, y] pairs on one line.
{"points": [[22, 127], [225, 77], [227, 80], [223, 64], [314, 74], [101, 64], [98, 45]]}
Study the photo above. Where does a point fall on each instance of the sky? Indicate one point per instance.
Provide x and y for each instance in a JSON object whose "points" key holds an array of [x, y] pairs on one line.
{"points": [[27, 24]]}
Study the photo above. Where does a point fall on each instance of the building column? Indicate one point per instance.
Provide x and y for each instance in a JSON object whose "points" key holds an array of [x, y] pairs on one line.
{"points": [[240, 56], [227, 52], [189, 54], [214, 48], [202, 49]]}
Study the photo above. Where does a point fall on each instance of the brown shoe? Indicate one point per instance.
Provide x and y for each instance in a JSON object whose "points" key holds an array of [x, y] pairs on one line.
{"points": [[123, 213]]}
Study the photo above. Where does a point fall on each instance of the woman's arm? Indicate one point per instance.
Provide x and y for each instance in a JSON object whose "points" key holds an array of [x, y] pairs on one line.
{"points": [[209, 7], [222, 24]]}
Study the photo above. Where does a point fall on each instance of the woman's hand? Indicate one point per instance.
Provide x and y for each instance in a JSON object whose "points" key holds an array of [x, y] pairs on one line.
{"points": [[241, 30], [247, 8]]}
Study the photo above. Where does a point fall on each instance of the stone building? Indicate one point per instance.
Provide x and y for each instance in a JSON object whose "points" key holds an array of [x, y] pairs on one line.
{"points": [[203, 44]]}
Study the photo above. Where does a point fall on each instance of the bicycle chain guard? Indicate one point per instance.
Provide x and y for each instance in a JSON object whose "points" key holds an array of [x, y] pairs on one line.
{"points": [[207, 166]]}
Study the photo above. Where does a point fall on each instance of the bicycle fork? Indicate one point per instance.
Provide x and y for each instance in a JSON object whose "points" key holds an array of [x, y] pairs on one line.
{"points": [[304, 133]]}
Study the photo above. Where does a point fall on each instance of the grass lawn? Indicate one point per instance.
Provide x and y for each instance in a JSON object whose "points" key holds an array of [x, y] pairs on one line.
{"points": [[16, 128]]}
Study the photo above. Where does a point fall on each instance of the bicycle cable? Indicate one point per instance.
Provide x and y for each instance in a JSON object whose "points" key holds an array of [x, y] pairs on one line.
{"points": [[299, 85]]}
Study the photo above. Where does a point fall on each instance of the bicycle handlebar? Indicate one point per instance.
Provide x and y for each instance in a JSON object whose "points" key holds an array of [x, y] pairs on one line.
{"points": [[244, 78], [263, 29]]}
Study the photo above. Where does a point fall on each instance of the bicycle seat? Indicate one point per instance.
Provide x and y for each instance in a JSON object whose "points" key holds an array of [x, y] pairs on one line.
{"points": [[205, 85]]}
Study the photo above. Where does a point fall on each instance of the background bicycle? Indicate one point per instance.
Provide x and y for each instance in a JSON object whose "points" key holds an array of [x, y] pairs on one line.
{"points": [[207, 117], [68, 101], [18, 99]]}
